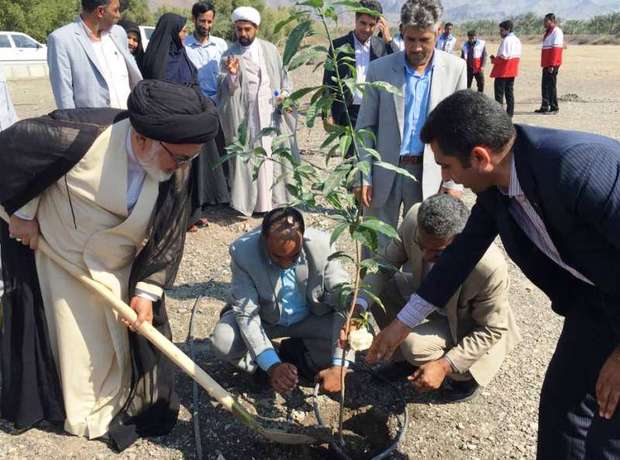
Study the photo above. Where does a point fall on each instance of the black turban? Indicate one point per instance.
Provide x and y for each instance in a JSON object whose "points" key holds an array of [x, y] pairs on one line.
{"points": [[172, 113]]}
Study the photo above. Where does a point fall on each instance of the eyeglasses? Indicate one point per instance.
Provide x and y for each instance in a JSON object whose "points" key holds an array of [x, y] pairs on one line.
{"points": [[180, 160]]}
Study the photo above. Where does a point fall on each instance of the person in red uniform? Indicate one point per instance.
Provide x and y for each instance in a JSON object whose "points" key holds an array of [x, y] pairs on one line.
{"points": [[550, 61], [506, 66], [475, 54]]}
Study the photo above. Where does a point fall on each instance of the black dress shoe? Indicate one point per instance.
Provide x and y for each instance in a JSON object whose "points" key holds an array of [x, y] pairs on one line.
{"points": [[454, 391], [541, 110], [553, 111]]}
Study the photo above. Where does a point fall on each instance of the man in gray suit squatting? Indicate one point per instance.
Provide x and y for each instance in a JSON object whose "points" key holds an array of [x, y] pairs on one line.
{"points": [[425, 76], [283, 285], [89, 61]]}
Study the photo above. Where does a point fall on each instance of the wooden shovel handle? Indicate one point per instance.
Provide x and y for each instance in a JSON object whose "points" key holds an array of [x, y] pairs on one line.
{"points": [[146, 329]]}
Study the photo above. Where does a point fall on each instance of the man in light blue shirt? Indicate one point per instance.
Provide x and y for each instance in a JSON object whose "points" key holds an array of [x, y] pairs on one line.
{"points": [[204, 50], [283, 285], [209, 179], [424, 76], [417, 94]]}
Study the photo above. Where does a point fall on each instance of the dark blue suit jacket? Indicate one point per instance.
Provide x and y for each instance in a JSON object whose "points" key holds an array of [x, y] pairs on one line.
{"points": [[378, 49], [572, 179]]}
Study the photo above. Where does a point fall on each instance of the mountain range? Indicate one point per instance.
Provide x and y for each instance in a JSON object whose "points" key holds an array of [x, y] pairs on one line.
{"points": [[463, 10]]}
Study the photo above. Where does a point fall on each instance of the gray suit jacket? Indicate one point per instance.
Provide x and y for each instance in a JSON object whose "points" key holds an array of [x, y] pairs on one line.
{"points": [[256, 284], [479, 315], [76, 78], [384, 114]]}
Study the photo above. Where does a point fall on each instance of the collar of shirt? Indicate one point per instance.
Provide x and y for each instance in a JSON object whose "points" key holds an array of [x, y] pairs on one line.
{"points": [[90, 34], [514, 188], [359, 44], [192, 42]]}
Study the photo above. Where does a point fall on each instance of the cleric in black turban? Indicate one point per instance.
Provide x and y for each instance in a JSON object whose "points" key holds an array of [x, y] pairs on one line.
{"points": [[173, 113], [73, 177]]}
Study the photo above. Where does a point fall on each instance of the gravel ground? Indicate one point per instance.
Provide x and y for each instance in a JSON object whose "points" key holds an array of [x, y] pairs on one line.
{"points": [[501, 423]]}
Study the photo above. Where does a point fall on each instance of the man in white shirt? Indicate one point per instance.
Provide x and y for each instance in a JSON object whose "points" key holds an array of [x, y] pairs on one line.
{"points": [[366, 48], [89, 60], [446, 41]]}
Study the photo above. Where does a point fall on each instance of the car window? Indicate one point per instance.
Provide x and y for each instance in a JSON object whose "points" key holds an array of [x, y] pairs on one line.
{"points": [[4, 41], [148, 31], [21, 41]]}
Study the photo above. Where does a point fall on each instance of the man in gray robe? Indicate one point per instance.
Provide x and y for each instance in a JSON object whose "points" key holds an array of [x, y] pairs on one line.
{"points": [[251, 89]]}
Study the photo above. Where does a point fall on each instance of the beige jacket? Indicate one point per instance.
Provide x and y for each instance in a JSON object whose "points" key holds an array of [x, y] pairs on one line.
{"points": [[479, 315]]}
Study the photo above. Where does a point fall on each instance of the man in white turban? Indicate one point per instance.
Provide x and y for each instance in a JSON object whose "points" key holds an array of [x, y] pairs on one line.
{"points": [[252, 87]]}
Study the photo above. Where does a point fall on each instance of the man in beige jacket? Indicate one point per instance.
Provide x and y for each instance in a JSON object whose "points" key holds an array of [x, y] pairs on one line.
{"points": [[462, 346]]}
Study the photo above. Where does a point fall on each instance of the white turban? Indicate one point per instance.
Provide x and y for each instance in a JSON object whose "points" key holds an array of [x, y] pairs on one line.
{"points": [[246, 13]]}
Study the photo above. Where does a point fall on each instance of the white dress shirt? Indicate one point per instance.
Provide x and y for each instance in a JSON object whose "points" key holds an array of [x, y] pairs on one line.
{"points": [[114, 69], [362, 61]]}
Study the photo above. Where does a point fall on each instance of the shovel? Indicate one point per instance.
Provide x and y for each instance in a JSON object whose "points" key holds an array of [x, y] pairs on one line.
{"points": [[255, 423]]}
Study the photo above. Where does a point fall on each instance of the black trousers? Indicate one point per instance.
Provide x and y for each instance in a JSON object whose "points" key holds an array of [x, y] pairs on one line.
{"points": [[505, 87], [549, 88], [569, 426], [354, 111], [479, 80]]}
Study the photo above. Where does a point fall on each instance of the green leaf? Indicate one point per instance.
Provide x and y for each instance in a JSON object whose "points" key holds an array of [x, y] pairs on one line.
{"points": [[370, 265], [373, 297], [354, 7], [242, 132], [305, 56], [312, 3], [345, 143], [333, 135], [396, 169], [384, 86], [337, 231], [366, 236], [303, 91], [340, 255], [269, 131], [280, 25], [378, 226], [333, 180], [301, 31]]}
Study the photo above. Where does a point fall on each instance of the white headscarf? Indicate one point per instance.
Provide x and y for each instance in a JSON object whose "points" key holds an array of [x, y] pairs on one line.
{"points": [[246, 13]]}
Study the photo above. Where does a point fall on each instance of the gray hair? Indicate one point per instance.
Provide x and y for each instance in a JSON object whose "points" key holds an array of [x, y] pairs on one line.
{"points": [[442, 216], [421, 14]]}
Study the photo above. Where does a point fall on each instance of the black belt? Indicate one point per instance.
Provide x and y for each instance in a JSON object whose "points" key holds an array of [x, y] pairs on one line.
{"points": [[411, 159]]}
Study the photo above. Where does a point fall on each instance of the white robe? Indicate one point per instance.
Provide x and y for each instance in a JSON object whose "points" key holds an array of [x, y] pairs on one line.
{"points": [[250, 97]]}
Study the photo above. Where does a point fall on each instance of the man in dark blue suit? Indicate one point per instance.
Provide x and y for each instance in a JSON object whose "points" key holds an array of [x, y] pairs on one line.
{"points": [[554, 199], [356, 50]]}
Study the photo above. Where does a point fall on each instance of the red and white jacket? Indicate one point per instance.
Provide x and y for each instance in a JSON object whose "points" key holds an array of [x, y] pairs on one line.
{"points": [[552, 48], [479, 54], [506, 62]]}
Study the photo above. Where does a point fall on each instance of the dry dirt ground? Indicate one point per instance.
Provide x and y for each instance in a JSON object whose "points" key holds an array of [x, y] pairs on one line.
{"points": [[501, 423]]}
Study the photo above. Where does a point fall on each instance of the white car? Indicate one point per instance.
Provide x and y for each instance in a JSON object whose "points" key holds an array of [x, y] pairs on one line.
{"points": [[145, 34], [18, 47]]}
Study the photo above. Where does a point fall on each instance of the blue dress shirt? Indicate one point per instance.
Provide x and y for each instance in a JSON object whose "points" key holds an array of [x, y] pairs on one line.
{"points": [[417, 96], [207, 60], [294, 310]]}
